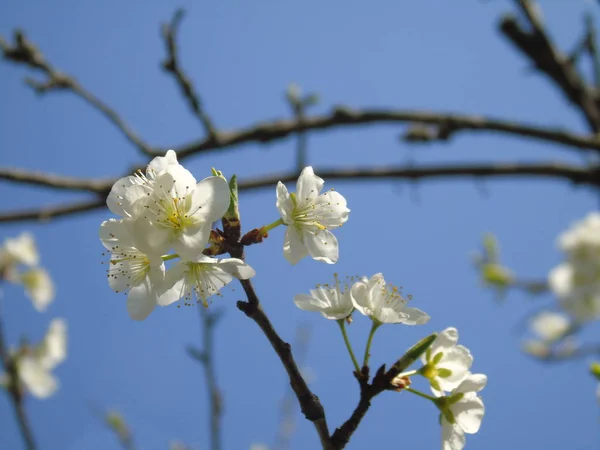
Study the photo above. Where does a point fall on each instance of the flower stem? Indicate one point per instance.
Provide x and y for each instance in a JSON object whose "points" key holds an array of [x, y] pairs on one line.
{"points": [[169, 257], [370, 341], [342, 324], [422, 394], [267, 228]]}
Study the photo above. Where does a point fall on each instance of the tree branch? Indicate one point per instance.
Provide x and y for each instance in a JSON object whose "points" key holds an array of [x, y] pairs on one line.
{"points": [[15, 392], [539, 48], [171, 65], [341, 117], [24, 52], [206, 358], [575, 174], [56, 181]]}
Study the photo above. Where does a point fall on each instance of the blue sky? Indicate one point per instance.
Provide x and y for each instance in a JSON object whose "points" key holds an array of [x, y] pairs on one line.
{"points": [[430, 54]]}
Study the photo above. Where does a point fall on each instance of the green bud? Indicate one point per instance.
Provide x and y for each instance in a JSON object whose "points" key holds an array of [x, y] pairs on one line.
{"points": [[490, 247], [414, 353], [595, 369], [496, 275]]}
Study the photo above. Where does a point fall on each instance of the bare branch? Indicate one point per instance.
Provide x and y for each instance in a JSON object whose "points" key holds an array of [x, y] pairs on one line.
{"points": [[171, 65], [576, 174], [52, 212], [56, 181], [24, 52], [209, 320], [15, 391], [539, 48], [346, 117]]}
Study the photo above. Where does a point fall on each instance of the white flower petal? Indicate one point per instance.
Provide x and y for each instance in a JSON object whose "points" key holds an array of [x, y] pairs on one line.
{"points": [[473, 383], [284, 204], [309, 185], [453, 438], [22, 249], [192, 241], [468, 413], [39, 381], [293, 247], [38, 287], [210, 200], [174, 286], [141, 300], [322, 246], [53, 349]]}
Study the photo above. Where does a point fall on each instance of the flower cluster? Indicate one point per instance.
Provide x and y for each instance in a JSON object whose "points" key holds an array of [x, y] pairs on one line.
{"points": [[161, 210], [19, 263], [446, 365], [165, 209], [576, 281]]}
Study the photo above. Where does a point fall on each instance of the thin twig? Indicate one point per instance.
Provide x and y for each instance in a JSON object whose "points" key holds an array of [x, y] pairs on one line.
{"points": [[26, 53], [287, 410], [15, 392], [215, 399], [575, 174], [171, 65], [53, 181]]}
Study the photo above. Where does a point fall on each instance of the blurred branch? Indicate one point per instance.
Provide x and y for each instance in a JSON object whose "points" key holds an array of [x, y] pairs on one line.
{"points": [[575, 174], [287, 411], [14, 391], [171, 65], [24, 52], [55, 181], [206, 358], [539, 48]]}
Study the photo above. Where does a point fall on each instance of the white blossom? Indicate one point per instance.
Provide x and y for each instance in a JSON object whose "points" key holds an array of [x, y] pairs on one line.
{"points": [[34, 366], [179, 213], [128, 190], [384, 303], [462, 411], [549, 325], [309, 216], [131, 270], [576, 282], [38, 287], [446, 364], [333, 302], [20, 250], [205, 277]]}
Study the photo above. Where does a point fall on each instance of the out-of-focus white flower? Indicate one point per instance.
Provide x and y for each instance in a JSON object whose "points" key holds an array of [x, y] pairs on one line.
{"points": [[446, 364], [309, 216], [131, 270], [462, 411], [35, 365], [259, 447], [576, 282], [384, 303], [205, 277], [21, 250], [38, 287], [549, 325], [332, 302]]}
